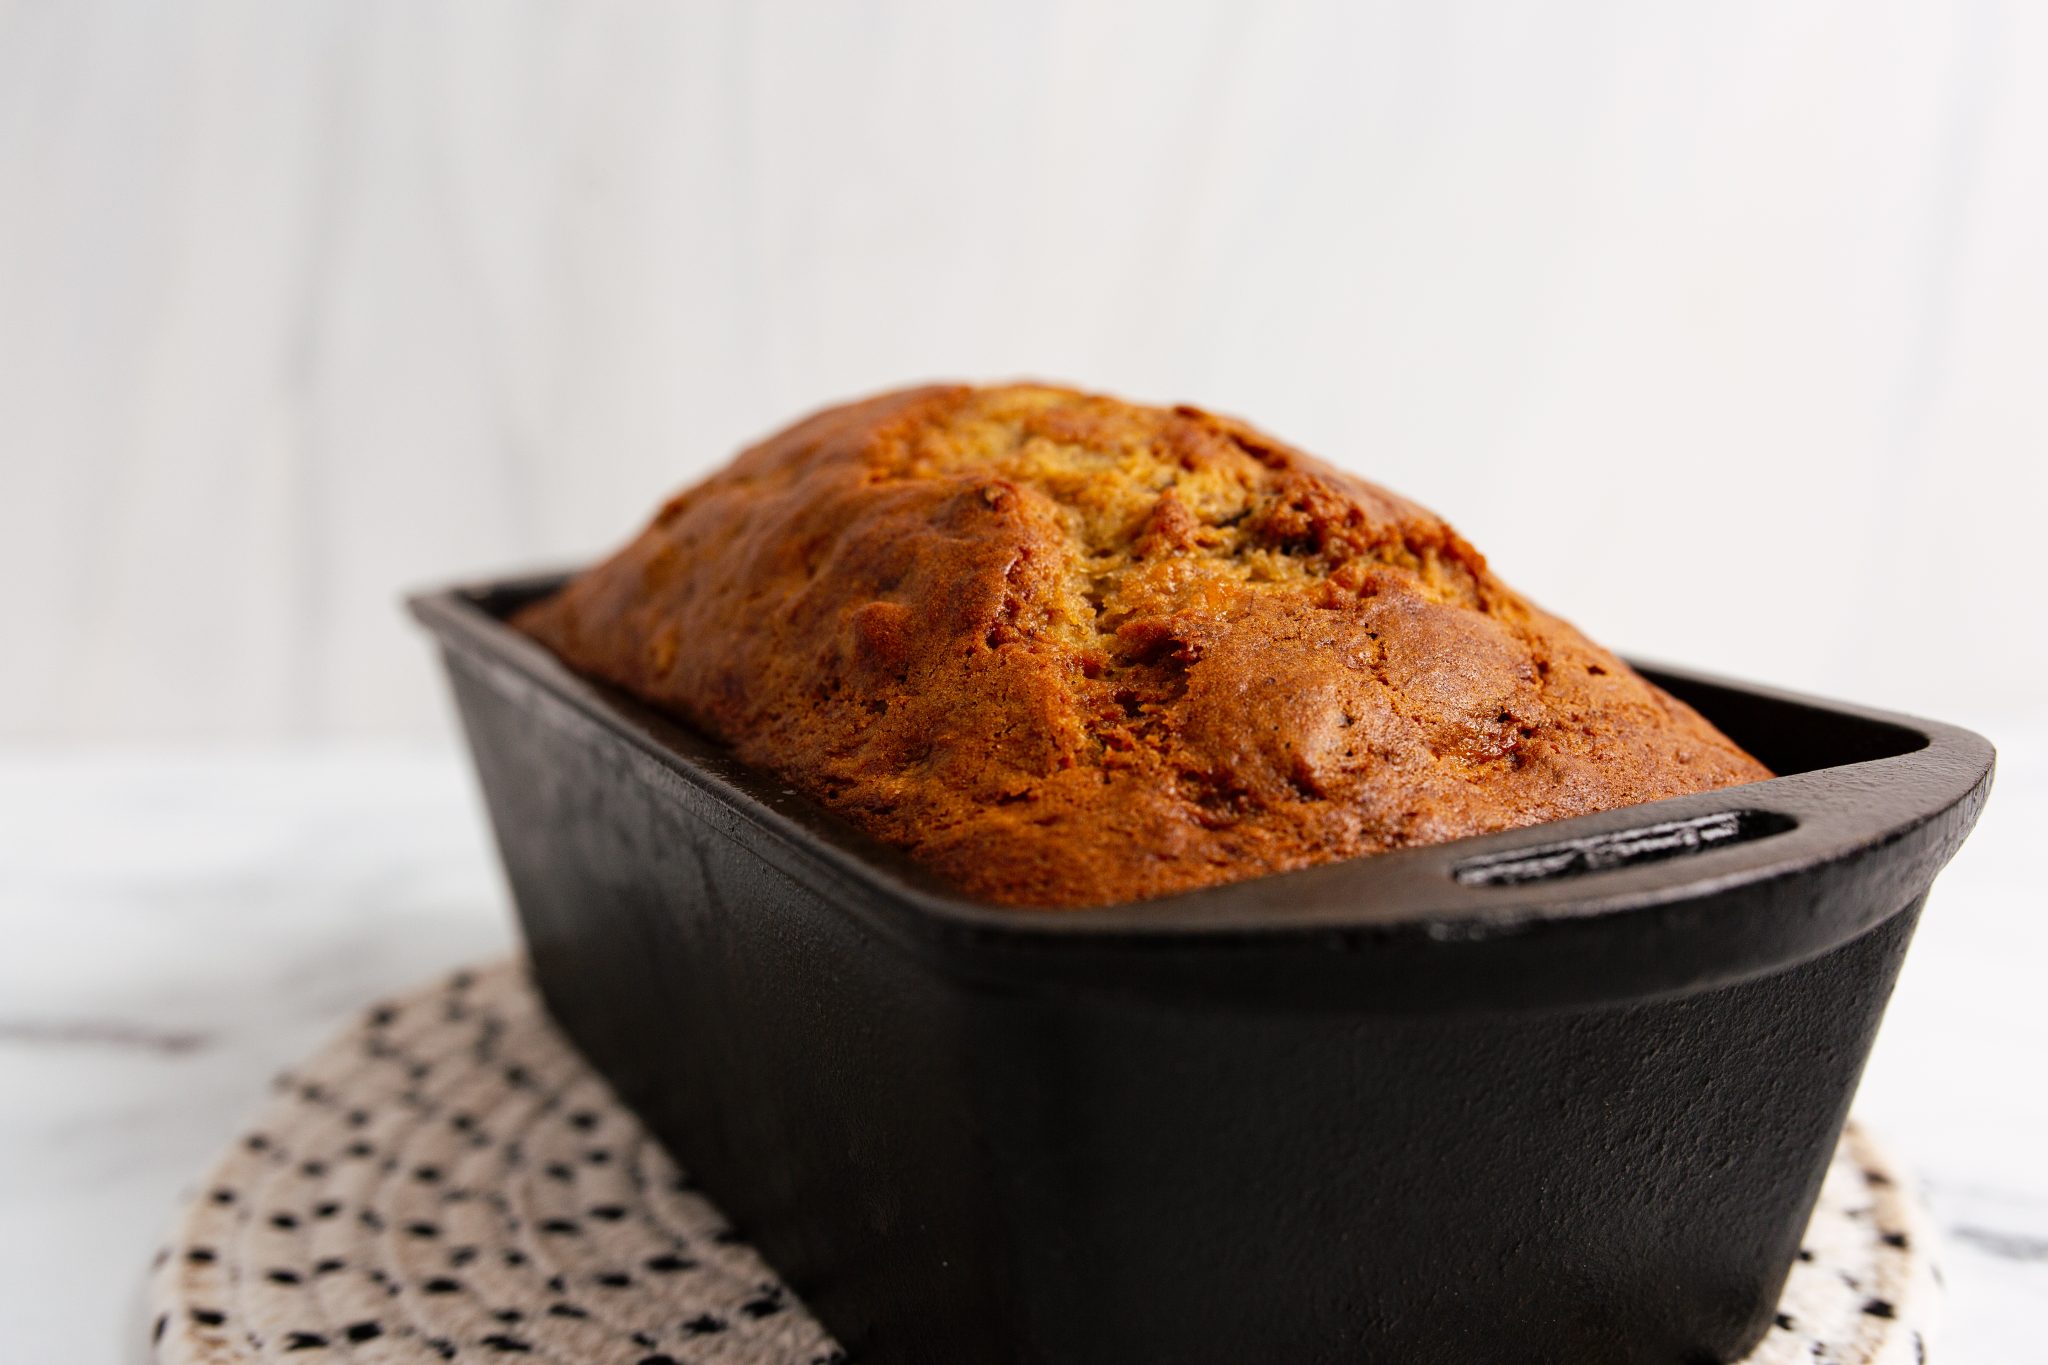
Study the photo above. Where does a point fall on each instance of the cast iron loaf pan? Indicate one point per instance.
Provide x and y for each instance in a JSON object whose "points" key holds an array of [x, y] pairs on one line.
{"points": [[1562, 1094]]}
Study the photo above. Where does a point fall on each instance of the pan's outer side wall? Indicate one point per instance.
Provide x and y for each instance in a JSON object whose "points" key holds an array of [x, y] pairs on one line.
{"points": [[948, 1171]]}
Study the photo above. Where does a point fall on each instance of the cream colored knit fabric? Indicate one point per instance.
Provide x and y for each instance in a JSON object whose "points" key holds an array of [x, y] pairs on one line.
{"points": [[448, 1180]]}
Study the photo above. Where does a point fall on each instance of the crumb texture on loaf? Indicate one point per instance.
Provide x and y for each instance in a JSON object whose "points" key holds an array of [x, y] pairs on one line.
{"points": [[1068, 651]]}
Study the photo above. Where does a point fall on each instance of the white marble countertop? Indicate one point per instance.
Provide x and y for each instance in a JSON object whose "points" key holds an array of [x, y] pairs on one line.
{"points": [[177, 927]]}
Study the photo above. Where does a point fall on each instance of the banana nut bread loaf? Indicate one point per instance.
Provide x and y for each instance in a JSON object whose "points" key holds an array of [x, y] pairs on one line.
{"points": [[1068, 651]]}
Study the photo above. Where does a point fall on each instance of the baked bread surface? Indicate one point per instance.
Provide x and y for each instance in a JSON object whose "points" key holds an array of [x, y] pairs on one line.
{"points": [[1070, 651]]}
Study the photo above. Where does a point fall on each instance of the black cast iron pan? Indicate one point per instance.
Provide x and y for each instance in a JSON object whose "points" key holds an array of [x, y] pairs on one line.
{"points": [[1564, 1093]]}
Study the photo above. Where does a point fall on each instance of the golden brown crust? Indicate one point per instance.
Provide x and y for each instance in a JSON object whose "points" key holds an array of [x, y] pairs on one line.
{"points": [[1071, 651]]}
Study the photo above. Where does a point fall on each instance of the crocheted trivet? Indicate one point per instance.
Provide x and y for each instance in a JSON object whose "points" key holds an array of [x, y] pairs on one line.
{"points": [[449, 1180]]}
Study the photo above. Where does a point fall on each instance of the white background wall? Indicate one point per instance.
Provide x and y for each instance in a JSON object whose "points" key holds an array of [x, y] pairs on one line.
{"points": [[1721, 328]]}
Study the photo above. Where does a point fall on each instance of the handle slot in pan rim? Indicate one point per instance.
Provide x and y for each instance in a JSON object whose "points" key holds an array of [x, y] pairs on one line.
{"points": [[1639, 844]]}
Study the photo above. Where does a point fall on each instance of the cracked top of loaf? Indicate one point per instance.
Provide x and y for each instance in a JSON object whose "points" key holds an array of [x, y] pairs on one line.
{"points": [[1066, 651]]}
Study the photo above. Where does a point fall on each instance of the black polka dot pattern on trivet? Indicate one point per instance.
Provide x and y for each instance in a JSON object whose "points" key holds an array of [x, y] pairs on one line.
{"points": [[1865, 1289], [448, 1181], [404, 1199]]}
